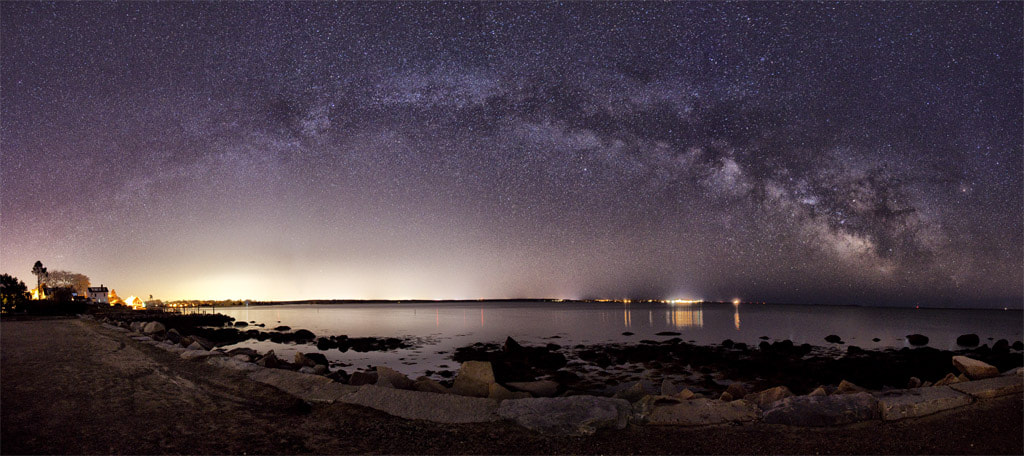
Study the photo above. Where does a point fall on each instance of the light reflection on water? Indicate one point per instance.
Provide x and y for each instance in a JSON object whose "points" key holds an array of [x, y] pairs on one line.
{"points": [[446, 326]]}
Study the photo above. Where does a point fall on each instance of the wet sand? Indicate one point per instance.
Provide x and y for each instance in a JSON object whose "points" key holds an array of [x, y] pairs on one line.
{"points": [[71, 386]]}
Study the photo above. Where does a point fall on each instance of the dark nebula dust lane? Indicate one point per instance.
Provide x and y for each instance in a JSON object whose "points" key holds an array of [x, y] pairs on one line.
{"points": [[844, 153]]}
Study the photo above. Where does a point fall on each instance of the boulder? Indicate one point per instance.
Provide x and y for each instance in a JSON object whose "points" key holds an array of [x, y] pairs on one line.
{"points": [[974, 369], [269, 360], [573, 415], [474, 379], [818, 392], [306, 370], [684, 395], [200, 353], [846, 387], [173, 335], [390, 378], [833, 339], [949, 379], [136, 326], [813, 411], [914, 382], [668, 388], [321, 369], [195, 346], [428, 385], [540, 388], [154, 327], [899, 404], [414, 405], [360, 378], [499, 393], [917, 340], [736, 390], [205, 343], [695, 412], [764, 399], [511, 346], [310, 359], [726, 397], [1002, 346], [968, 340], [633, 393], [312, 388]]}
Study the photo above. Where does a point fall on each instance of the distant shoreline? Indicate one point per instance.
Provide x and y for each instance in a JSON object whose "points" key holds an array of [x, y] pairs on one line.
{"points": [[575, 301]]}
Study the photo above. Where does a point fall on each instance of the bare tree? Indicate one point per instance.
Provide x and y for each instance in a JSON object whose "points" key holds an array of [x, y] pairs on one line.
{"points": [[73, 280]]}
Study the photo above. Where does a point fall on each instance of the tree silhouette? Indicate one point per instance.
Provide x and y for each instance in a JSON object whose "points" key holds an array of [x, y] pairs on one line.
{"points": [[13, 293], [39, 271]]}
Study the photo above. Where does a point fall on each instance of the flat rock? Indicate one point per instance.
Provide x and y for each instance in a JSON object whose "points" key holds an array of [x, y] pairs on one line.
{"points": [[991, 387], [909, 403], [540, 388], [474, 379], [232, 363], [816, 411], [764, 399], [700, 412], [311, 388], [415, 405], [197, 354], [573, 415], [154, 327], [974, 369], [499, 393], [429, 385]]}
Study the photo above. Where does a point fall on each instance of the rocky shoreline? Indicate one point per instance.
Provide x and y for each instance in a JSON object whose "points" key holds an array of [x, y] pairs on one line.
{"points": [[541, 388]]}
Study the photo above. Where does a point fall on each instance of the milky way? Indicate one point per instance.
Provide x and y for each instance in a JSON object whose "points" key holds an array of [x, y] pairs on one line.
{"points": [[859, 153]]}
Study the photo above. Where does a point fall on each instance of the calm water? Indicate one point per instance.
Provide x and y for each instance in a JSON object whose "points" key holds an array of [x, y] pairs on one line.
{"points": [[441, 327]]}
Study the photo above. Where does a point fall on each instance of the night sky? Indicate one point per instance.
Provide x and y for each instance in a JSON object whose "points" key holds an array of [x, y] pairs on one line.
{"points": [[842, 153]]}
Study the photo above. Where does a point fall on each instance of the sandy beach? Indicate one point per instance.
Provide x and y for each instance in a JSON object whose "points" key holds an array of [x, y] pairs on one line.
{"points": [[70, 386]]}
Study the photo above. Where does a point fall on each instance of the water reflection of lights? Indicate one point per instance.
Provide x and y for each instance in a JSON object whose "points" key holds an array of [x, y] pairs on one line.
{"points": [[685, 317], [627, 319], [736, 317]]}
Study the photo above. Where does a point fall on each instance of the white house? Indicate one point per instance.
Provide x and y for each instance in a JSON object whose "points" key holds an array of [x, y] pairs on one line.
{"points": [[99, 294]]}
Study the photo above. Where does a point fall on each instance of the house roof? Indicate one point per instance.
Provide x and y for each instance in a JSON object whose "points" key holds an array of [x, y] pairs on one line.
{"points": [[97, 289]]}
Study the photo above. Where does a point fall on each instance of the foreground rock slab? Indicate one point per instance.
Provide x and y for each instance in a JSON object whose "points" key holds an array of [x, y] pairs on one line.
{"points": [[312, 388], [897, 405], [415, 405], [699, 412], [991, 387], [573, 415], [814, 411]]}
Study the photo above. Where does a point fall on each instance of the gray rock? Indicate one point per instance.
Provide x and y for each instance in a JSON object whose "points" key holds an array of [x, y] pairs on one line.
{"points": [[429, 385], [196, 354], [736, 390], [474, 379], [137, 326], [311, 388], [914, 382], [154, 327], [540, 388], [764, 399], [232, 363], [310, 359], [268, 360], [823, 410], [499, 393], [360, 378], [991, 387], [573, 415], [698, 412], [668, 388], [846, 387], [415, 405], [195, 346], [390, 378], [900, 404], [321, 369], [974, 369], [173, 336], [633, 393]]}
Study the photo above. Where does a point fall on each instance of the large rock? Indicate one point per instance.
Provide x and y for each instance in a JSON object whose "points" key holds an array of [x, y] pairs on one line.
{"points": [[360, 378], [474, 379], [736, 390], [310, 359], [154, 327], [815, 411], [540, 388], [846, 387], [973, 368], [764, 399], [197, 354], [991, 387], [390, 378], [573, 415], [968, 340], [695, 412], [949, 379], [137, 326], [311, 388], [499, 393], [917, 339], [414, 405], [429, 385], [900, 404]]}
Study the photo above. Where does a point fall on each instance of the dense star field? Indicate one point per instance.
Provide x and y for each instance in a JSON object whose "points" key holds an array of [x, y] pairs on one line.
{"points": [[860, 153]]}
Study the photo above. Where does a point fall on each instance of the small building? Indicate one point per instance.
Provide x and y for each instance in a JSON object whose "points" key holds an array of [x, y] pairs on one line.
{"points": [[99, 294]]}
